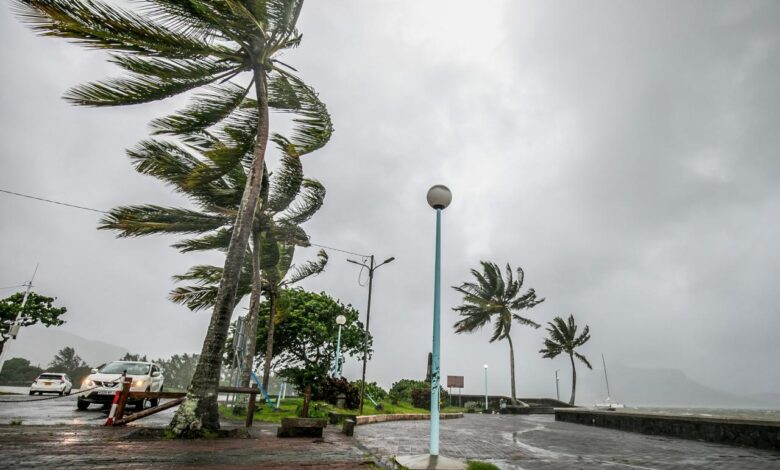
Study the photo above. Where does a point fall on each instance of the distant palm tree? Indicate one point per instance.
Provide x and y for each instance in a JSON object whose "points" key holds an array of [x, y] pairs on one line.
{"points": [[493, 298], [563, 339], [168, 47]]}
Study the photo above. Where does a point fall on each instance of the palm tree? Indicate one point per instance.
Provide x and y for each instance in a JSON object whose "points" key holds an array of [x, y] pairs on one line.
{"points": [[173, 46], [563, 339], [493, 298]]}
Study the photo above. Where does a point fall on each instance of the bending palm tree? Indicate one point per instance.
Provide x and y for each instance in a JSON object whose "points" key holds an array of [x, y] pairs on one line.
{"points": [[171, 47], [493, 298], [563, 339]]}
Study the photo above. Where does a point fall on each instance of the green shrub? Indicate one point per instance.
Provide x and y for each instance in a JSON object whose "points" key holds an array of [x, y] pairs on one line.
{"points": [[376, 392], [330, 389], [421, 397], [472, 406], [477, 465], [402, 390]]}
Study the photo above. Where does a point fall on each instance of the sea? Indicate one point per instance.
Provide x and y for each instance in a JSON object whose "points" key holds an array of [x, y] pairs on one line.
{"points": [[733, 413]]}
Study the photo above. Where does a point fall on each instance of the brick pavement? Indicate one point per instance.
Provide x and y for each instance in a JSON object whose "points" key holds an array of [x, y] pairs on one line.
{"points": [[97, 448], [540, 443]]}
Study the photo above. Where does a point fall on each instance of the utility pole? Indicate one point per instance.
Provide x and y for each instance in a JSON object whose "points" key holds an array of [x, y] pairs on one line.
{"points": [[371, 268], [14, 330]]}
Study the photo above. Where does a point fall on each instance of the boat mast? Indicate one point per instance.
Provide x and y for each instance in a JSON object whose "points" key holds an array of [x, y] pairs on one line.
{"points": [[605, 376]]}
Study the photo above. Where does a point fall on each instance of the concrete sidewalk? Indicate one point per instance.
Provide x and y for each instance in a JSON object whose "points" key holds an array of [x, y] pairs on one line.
{"points": [[64, 446]]}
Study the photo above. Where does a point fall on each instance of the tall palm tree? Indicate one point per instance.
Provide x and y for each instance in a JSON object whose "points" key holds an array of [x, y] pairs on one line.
{"points": [[170, 47], [495, 299], [563, 339]]}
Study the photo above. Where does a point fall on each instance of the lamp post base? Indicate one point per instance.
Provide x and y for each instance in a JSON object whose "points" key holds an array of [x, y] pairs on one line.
{"points": [[427, 461]]}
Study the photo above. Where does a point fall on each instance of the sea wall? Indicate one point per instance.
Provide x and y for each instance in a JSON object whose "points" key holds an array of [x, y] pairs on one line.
{"points": [[752, 433]]}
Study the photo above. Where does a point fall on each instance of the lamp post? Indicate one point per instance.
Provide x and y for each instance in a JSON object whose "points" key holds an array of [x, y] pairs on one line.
{"points": [[371, 268], [486, 395], [340, 320], [557, 392], [439, 197]]}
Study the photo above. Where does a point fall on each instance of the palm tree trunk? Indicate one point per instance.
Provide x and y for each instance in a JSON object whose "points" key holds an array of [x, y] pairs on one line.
{"points": [[573, 379], [269, 348], [254, 310], [200, 411], [512, 368]]}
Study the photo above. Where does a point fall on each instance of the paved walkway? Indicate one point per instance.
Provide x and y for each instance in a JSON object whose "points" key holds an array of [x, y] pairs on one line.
{"points": [[91, 447], [539, 442]]}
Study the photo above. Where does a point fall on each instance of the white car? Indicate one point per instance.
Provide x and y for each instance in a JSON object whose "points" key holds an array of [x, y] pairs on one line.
{"points": [[101, 385], [51, 382]]}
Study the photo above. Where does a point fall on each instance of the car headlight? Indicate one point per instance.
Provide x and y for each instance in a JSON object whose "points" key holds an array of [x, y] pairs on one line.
{"points": [[140, 383], [87, 383]]}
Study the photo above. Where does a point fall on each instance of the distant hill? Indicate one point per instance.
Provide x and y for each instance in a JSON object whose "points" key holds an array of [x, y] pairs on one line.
{"points": [[663, 388], [39, 345]]}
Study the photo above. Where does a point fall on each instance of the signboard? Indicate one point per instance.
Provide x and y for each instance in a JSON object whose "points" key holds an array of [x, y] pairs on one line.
{"points": [[454, 381]]}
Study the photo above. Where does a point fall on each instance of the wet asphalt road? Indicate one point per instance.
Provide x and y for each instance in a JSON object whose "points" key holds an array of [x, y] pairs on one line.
{"points": [[53, 409]]}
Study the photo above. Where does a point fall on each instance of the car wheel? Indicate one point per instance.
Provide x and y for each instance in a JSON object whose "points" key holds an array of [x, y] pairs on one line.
{"points": [[69, 390], [82, 404], [62, 393], [155, 401], [32, 393]]}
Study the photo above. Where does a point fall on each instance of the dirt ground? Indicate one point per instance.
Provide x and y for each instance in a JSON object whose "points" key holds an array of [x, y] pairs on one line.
{"points": [[68, 446]]}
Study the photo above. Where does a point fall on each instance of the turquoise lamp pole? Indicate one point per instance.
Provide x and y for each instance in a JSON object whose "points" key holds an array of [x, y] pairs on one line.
{"points": [[340, 320], [439, 197], [486, 396]]}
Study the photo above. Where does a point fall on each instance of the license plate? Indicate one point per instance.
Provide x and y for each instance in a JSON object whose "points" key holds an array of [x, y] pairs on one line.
{"points": [[106, 392], [47, 383]]}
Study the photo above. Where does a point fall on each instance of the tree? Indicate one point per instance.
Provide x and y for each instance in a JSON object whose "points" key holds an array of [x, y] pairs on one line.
{"points": [[134, 357], [19, 371], [495, 299], [305, 335], [67, 361], [38, 309], [563, 339], [178, 370], [174, 46]]}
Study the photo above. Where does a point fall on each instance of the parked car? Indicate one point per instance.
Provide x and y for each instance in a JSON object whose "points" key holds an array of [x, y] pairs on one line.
{"points": [[51, 382], [102, 383]]}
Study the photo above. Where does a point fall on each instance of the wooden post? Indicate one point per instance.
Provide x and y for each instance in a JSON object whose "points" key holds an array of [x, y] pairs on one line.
{"points": [[120, 410], [250, 409]]}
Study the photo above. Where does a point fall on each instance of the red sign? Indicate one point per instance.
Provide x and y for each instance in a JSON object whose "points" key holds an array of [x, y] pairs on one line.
{"points": [[455, 381]]}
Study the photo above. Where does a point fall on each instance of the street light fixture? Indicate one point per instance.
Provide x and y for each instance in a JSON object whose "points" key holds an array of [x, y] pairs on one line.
{"points": [[340, 321], [486, 395], [439, 197], [371, 268]]}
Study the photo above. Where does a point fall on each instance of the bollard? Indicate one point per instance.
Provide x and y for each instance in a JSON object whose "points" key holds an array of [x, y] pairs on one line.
{"points": [[110, 420], [348, 427], [120, 409], [250, 411]]}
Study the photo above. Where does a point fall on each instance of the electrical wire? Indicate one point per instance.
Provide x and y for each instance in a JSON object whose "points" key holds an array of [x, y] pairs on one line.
{"points": [[339, 249]]}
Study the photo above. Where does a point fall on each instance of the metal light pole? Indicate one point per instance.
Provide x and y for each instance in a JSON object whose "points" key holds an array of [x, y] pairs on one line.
{"points": [[557, 392], [486, 395], [439, 197], [340, 320], [371, 268]]}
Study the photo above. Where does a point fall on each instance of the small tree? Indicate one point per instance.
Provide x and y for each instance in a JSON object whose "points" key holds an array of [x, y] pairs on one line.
{"points": [[19, 371], [66, 360], [38, 309], [563, 339]]}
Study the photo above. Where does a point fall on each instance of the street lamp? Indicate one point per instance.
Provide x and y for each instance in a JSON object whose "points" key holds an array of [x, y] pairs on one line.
{"points": [[340, 320], [371, 268], [439, 197], [486, 395], [557, 392]]}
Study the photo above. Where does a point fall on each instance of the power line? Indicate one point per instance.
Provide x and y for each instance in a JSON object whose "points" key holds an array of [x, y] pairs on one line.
{"points": [[53, 202], [13, 287], [104, 212]]}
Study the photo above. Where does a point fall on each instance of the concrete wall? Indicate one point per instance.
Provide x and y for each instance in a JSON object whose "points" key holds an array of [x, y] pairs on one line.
{"points": [[752, 433], [370, 419]]}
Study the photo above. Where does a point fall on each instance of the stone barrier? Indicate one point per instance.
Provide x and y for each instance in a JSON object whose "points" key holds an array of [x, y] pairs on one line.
{"points": [[371, 419], [751, 433]]}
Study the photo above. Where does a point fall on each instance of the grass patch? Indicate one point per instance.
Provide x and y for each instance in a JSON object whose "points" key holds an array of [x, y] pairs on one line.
{"points": [[289, 407], [478, 465], [16, 422]]}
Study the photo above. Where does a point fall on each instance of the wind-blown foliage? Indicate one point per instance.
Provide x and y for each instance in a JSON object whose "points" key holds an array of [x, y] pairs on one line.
{"points": [[167, 47], [563, 338], [495, 299]]}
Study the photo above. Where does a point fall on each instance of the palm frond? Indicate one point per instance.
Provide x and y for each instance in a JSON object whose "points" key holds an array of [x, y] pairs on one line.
{"points": [[309, 268], [308, 202], [135, 221], [134, 89], [205, 110], [285, 183]]}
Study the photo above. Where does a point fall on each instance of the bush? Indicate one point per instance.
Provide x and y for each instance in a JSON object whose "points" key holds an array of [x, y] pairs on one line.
{"points": [[472, 406], [376, 392], [329, 389], [421, 397], [402, 390]]}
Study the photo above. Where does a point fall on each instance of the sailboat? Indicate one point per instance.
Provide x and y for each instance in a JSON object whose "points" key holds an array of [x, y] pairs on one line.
{"points": [[608, 404]]}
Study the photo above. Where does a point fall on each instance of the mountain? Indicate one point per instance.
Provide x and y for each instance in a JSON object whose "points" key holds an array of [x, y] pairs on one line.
{"points": [[663, 388], [39, 345]]}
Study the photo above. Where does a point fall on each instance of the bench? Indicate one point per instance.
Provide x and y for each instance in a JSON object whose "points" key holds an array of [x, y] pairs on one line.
{"points": [[301, 427]]}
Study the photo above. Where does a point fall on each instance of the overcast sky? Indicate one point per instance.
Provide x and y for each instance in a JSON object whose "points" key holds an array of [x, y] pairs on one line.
{"points": [[625, 154]]}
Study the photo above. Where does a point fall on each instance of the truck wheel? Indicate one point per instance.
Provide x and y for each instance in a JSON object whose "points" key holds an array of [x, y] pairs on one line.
{"points": [[82, 404]]}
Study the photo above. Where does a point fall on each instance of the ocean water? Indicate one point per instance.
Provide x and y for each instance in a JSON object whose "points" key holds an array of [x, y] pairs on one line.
{"points": [[761, 414]]}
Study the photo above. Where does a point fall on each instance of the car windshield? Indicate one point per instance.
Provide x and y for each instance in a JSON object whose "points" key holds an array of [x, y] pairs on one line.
{"points": [[49, 377], [132, 368]]}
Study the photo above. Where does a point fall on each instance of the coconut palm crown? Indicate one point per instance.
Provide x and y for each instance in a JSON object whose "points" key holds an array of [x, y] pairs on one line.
{"points": [[563, 338], [493, 298]]}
